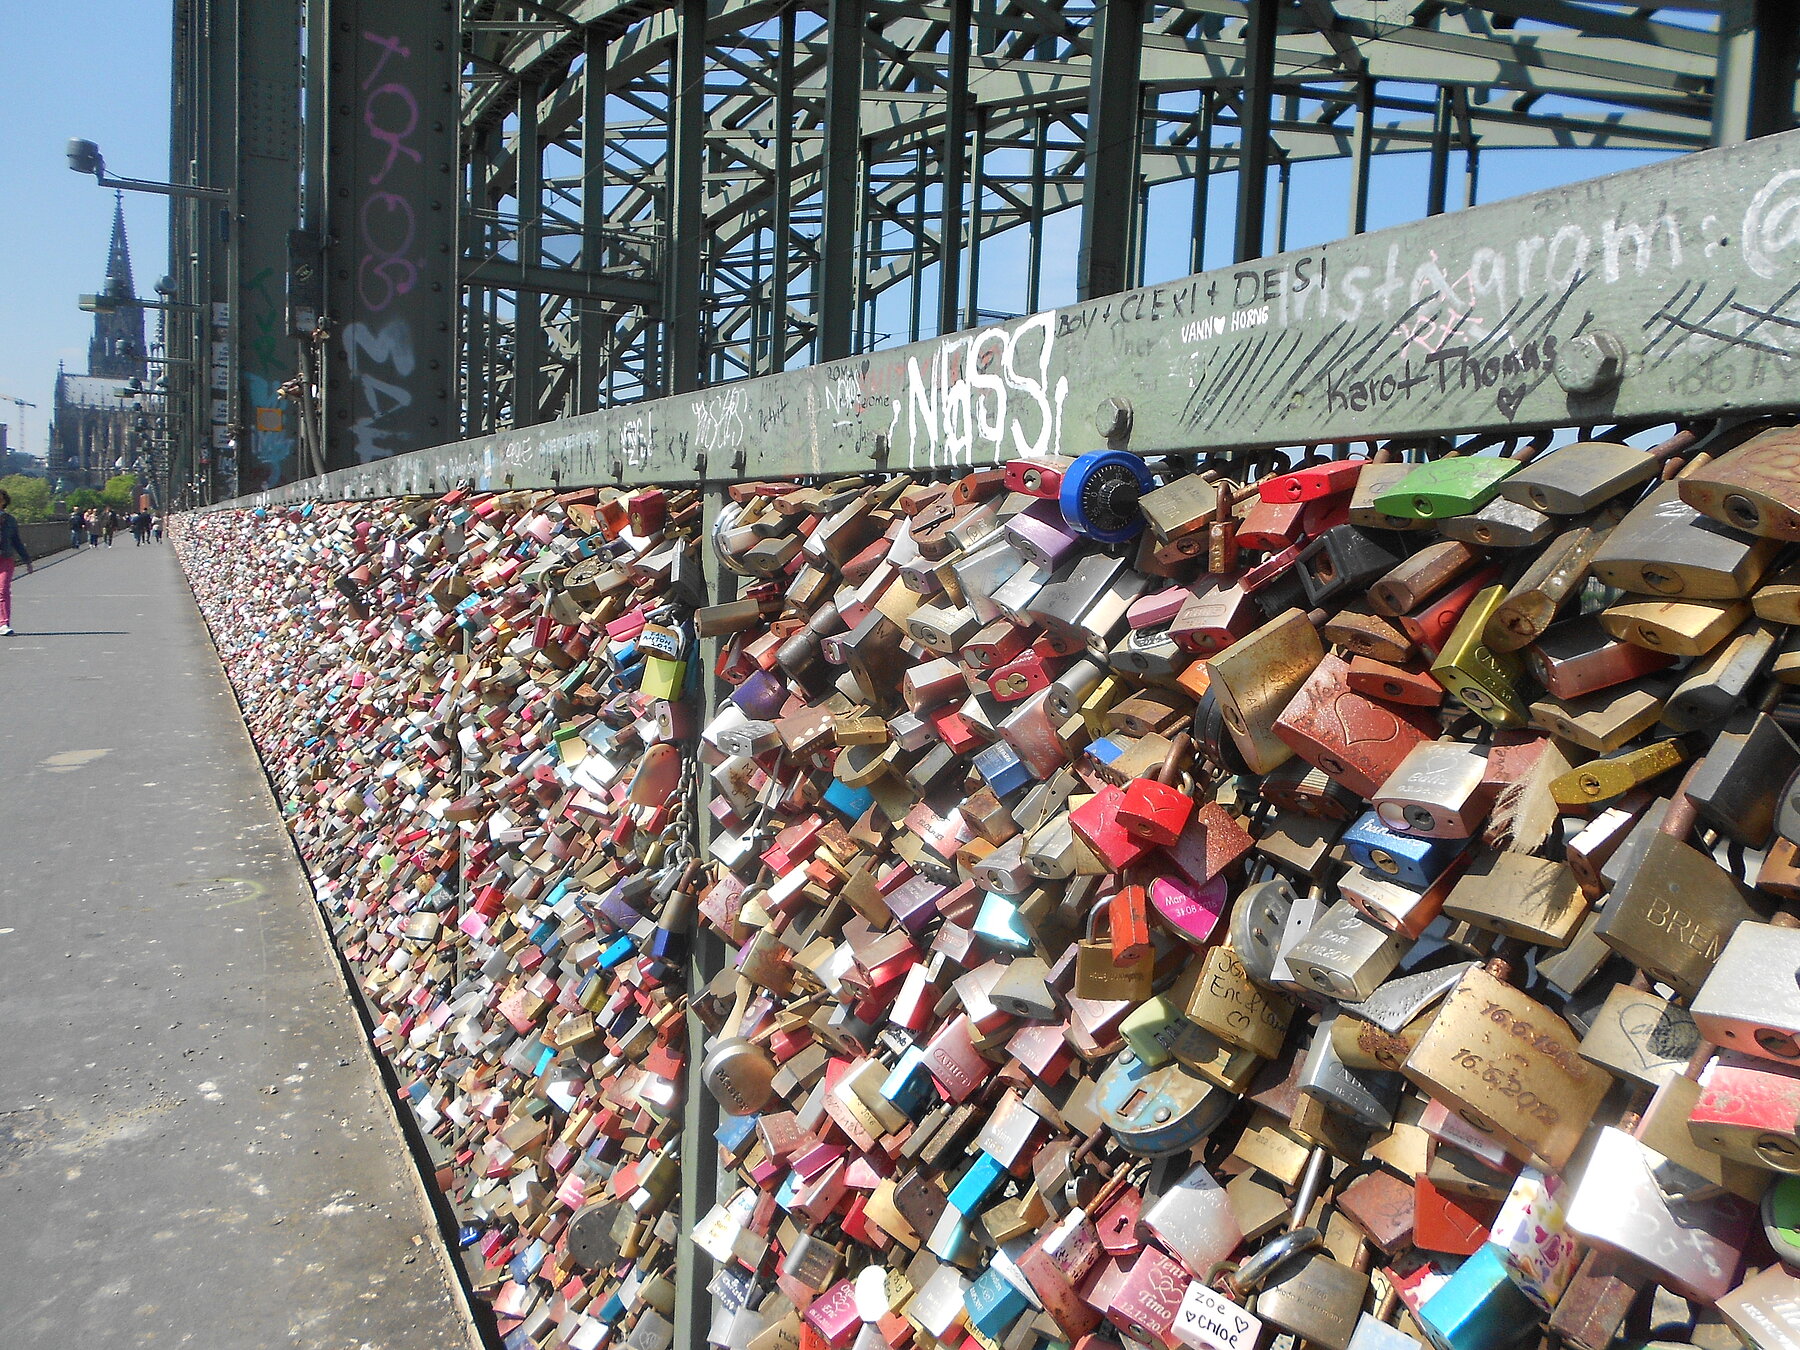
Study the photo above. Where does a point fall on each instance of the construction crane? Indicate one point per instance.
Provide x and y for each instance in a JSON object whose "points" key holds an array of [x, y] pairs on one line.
{"points": [[21, 404]]}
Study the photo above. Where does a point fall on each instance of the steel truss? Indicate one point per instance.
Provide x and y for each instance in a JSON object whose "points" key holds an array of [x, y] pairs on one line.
{"points": [[660, 196]]}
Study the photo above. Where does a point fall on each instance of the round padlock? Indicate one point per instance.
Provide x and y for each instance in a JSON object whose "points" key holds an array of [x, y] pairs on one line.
{"points": [[1257, 922], [1100, 493], [1154, 1112]]}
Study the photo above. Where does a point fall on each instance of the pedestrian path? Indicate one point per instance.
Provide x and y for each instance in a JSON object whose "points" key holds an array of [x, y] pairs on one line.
{"points": [[195, 1149]]}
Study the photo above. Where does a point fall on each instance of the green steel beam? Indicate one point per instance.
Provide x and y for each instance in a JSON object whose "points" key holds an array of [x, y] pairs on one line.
{"points": [[1451, 324]]}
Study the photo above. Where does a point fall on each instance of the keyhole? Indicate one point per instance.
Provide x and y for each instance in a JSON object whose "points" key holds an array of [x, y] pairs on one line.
{"points": [[1780, 1153], [1423, 506], [1539, 498], [1777, 1043], [1742, 511], [1658, 580]]}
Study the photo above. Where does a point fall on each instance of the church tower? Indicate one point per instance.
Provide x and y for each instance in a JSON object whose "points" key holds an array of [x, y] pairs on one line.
{"points": [[117, 348]]}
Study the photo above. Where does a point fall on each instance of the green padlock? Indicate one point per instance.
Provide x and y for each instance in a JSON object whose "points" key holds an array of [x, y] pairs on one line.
{"points": [[662, 677], [1447, 487]]}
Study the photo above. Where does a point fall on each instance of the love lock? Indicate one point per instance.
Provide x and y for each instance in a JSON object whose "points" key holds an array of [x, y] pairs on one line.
{"points": [[1257, 922], [1159, 1111]]}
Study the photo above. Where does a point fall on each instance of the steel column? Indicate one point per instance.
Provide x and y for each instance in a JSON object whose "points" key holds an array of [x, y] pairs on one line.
{"points": [[1759, 49], [1203, 133], [955, 167], [838, 287], [390, 200], [528, 306], [591, 365], [684, 259], [268, 145], [1360, 144], [1437, 185], [782, 226], [1109, 178], [1254, 125], [977, 186]]}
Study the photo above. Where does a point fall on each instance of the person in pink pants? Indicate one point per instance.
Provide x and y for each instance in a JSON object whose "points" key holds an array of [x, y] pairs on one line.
{"points": [[12, 552]]}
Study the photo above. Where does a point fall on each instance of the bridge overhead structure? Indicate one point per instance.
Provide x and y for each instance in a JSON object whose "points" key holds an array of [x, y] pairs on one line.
{"points": [[700, 192], [613, 200]]}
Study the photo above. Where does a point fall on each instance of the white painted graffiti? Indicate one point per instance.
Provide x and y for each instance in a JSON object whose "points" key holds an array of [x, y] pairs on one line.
{"points": [[990, 388], [634, 441], [1772, 223], [719, 421], [367, 350]]}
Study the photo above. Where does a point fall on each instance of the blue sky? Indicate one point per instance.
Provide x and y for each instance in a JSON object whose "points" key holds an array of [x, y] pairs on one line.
{"points": [[93, 68]]}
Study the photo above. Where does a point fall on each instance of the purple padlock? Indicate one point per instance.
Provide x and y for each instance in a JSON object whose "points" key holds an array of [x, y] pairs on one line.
{"points": [[760, 696], [1040, 535]]}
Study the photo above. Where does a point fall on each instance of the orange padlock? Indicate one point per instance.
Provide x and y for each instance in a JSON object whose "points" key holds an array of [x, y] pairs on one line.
{"points": [[1128, 916], [1154, 809]]}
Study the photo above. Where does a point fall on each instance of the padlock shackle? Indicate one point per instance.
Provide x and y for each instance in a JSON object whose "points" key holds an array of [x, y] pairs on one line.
{"points": [[1679, 822], [1171, 765]]}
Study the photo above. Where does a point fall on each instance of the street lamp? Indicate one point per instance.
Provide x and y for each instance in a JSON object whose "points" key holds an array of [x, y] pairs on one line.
{"points": [[85, 157]]}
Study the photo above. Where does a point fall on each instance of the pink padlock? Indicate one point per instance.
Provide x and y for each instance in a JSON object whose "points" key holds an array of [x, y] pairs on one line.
{"points": [[1192, 909]]}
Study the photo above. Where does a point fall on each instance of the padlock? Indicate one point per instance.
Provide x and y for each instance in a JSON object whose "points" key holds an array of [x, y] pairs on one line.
{"points": [[1509, 1067], [1345, 956], [1736, 787], [1639, 1036], [1098, 976], [1536, 900], [1751, 487], [1500, 524], [1481, 679], [1749, 1110], [1357, 742], [1676, 628], [1128, 923], [1439, 790], [1451, 486], [1156, 1112], [1672, 914], [1478, 1308], [1229, 1004], [1745, 1004], [1411, 859], [1533, 601], [1578, 477], [1665, 547], [1578, 656], [1721, 681], [1154, 809], [1692, 1243], [1255, 679]]}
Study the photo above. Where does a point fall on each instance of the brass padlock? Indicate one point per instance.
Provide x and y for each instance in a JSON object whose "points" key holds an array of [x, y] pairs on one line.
{"points": [[1483, 680], [1228, 1003], [1509, 1067], [1098, 976], [1256, 677], [1580, 476], [1535, 900], [1665, 547], [1753, 487], [1673, 913]]}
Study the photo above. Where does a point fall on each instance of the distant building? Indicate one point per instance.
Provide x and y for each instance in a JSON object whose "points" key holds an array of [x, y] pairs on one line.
{"points": [[91, 426]]}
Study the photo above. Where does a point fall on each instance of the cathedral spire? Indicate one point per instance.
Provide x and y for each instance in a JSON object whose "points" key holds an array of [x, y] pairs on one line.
{"points": [[117, 347], [118, 255]]}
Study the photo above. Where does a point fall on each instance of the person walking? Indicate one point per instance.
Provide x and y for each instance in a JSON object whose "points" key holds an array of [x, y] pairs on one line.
{"points": [[156, 523], [12, 552], [140, 526], [75, 530], [109, 524], [92, 517]]}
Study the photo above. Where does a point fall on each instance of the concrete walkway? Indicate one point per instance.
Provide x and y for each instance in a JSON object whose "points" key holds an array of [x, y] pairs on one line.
{"points": [[194, 1145]]}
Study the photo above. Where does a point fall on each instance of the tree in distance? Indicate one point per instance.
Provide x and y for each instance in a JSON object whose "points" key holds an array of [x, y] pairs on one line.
{"points": [[30, 497]]}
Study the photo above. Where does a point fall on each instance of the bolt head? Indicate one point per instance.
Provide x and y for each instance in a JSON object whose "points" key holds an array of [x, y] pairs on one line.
{"points": [[1112, 419], [1591, 363]]}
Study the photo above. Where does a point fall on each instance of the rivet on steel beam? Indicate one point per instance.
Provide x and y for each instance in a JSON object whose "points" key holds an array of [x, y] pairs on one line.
{"points": [[1590, 363], [1112, 419]]}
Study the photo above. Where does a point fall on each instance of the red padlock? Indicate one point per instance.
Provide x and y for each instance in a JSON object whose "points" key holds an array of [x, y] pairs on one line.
{"points": [[1270, 526], [1320, 480], [1038, 476], [1128, 913], [646, 510], [1096, 823], [1028, 672], [1154, 809]]}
